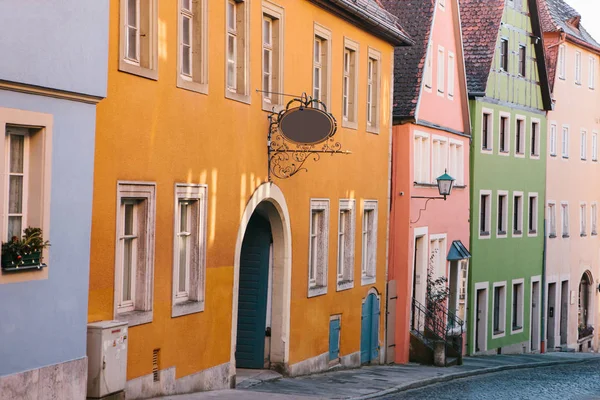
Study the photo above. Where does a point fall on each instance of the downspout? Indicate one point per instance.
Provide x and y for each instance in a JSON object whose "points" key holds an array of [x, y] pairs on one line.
{"points": [[543, 301]]}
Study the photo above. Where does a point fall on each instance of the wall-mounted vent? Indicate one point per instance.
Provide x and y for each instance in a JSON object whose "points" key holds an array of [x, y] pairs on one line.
{"points": [[155, 364]]}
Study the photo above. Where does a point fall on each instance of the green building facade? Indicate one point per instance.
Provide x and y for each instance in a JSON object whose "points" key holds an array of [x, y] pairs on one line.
{"points": [[509, 96]]}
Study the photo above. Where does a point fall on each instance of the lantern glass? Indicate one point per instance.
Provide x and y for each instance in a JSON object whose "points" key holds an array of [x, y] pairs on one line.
{"points": [[445, 184]]}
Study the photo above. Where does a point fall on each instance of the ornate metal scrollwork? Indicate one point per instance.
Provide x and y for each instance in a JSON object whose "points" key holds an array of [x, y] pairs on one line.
{"points": [[287, 158]]}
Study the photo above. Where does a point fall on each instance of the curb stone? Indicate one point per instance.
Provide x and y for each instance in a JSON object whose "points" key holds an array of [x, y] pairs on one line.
{"points": [[461, 375]]}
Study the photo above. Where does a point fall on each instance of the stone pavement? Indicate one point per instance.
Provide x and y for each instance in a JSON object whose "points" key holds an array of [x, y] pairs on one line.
{"points": [[375, 381]]}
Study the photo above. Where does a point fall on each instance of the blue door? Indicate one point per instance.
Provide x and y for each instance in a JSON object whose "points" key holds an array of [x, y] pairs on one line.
{"points": [[334, 339], [369, 332], [252, 300]]}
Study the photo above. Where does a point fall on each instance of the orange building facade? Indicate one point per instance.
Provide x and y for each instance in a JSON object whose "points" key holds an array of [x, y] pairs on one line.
{"points": [[185, 218]]}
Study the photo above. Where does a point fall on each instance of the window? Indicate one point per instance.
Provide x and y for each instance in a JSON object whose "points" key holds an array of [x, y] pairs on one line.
{"points": [[421, 157], [451, 62], [189, 249], [349, 81], [565, 219], [565, 142], [369, 242], [517, 214], [437, 259], [321, 61], [582, 219], [134, 269], [485, 207], [517, 306], [552, 220], [520, 137], [193, 52], [441, 70], [456, 162], [138, 44], [535, 139], [504, 134], [504, 55], [237, 50], [345, 261], [429, 68], [561, 62], [499, 309], [592, 73], [594, 146], [533, 214], [578, 67], [440, 155], [522, 60], [272, 62], [318, 247], [486, 132], [442, 4], [373, 73], [583, 145], [502, 219], [594, 219], [553, 140]]}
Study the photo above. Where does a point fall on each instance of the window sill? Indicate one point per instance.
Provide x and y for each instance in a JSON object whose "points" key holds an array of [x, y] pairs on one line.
{"points": [[315, 291], [425, 185], [367, 280], [552, 155], [504, 152], [191, 85], [501, 233], [272, 108], [594, 233], [486, 150], [373, 129], [242, 98], [565, 236], [186, 308], [344, 285], [134, 318], [552, 236], [565, 157], [23, 268], [533, 232], [582, 235], [517, 233], [484, 234], [147, 73], [498, 333], [349, 124]]}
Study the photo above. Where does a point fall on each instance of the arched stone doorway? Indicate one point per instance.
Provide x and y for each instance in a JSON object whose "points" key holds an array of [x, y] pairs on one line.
{"points": [[265, 213], [585, 318]]}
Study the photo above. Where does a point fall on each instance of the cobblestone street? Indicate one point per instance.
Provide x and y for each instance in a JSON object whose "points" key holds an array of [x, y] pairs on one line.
{"points": [[566, 382]]}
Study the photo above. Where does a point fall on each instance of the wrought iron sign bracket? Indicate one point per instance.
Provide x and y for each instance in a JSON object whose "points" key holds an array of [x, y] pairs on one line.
{"points": [[303, 130]]}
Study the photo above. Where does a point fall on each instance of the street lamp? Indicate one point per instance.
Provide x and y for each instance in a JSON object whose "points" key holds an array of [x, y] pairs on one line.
{"points": [[445, 183]]}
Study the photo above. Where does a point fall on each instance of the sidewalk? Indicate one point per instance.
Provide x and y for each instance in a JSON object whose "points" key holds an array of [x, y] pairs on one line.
{"points": [[374, 381]]}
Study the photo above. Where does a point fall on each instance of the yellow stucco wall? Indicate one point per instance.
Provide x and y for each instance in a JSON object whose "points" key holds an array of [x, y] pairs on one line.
{"points": [[153, 131]]}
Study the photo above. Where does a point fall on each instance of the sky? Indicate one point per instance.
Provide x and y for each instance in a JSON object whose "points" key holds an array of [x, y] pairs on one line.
{"points": [[590, 15]]}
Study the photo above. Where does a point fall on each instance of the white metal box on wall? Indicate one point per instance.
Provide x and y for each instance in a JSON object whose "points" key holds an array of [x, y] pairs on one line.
{"points": [[107, 358]]}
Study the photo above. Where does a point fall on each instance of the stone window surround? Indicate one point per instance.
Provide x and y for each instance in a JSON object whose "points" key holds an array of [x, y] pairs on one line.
{"points": [[517, 231], [371, 270], [374, 126], [320, 288], [150, 72], [502, 310], [324, 34], [197, 83], [352, 121], [535, 215], [490, 130], [277, 14], [238, 95], [520, 281], [347, 282], [504, 215], [488, 214]]}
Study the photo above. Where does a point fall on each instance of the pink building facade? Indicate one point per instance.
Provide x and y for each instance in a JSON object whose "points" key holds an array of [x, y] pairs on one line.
{"points": [[573, 172], [431, 136]]}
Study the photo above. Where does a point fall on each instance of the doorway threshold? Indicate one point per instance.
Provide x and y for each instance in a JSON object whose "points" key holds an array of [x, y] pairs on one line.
{"points": [[246, 378]]}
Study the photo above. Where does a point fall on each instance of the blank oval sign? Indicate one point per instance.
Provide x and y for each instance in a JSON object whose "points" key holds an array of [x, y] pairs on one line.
{"points": [[307, 125]]}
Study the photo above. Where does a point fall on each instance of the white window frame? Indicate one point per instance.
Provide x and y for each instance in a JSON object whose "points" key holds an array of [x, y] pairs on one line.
{"points": [[522, 121], [564, 214], [502, 234], [345, 245], [317, 285], [439, 157], [421, 157], [374, 82], [517, 230], [562, 62], [441, 70], [583, 145], [582, 219], [594, 146], [440, 267], [276, 14], [552, 143], [565, 141], [535, 140], [141, 309], [442, 4], [26, 133], [428, 81], [521, 311], [458, 170], [490, 130], [502, 310], [551, 219], [191, 301], [197, 79], [240, 90], [535, 214], [145, 65], [507, 134], [451, 70], [350, 84], [577, 67], [594, 218], [369, 243], [592, 73], [488, 215], [323, 35]]}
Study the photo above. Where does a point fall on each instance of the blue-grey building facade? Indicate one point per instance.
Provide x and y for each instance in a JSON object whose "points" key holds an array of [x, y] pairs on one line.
{"points": [[52, 74]]}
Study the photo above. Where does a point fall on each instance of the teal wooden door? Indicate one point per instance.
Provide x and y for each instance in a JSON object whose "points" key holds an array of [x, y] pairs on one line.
{"points": [[334, 339], [369, 332], [252, 300]]}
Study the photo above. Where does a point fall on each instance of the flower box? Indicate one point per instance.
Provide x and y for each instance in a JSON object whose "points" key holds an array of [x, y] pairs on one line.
{"points": [[25, 253]]}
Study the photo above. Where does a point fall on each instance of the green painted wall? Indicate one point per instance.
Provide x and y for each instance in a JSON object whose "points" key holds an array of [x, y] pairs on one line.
{"points": [[504, 259]]}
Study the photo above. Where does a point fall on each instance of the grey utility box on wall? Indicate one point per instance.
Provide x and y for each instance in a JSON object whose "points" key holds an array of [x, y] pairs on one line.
{"points": [[107, 358]]}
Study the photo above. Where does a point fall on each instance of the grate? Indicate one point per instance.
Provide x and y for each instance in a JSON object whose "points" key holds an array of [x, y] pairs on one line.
{"points": [[155, 362]]}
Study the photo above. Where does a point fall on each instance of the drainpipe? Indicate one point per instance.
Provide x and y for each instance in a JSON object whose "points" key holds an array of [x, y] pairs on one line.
{"points": [[543, 302]]}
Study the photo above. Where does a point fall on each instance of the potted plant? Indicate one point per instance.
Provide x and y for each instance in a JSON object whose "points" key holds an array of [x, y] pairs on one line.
{"points": [[585, 331], [26, 252]]}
